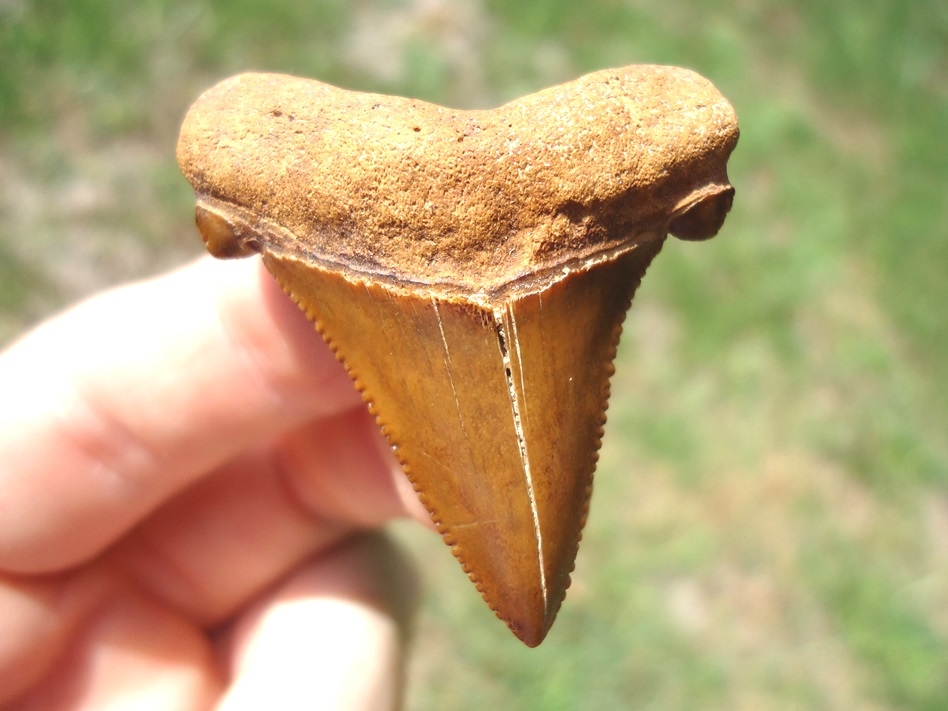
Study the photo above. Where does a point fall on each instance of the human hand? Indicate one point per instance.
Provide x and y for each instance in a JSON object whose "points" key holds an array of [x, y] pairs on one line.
{"points": [[185, 471]]}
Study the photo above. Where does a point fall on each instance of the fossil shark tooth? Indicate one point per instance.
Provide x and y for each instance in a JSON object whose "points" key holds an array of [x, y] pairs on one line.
{"points": [[472, 270]]}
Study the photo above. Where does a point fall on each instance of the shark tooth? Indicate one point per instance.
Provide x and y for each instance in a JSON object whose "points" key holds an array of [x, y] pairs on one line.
{"points": [[472, 270]]}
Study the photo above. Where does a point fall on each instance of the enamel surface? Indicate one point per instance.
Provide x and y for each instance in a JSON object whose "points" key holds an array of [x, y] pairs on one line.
{"points": [[496, 412]]}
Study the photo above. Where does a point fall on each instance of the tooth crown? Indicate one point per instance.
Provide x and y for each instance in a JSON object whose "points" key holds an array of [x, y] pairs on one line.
{"points": [[472, 270]]}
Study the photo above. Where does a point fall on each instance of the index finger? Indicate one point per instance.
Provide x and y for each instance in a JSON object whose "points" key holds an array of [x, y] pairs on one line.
{"points": [[110, 408]]}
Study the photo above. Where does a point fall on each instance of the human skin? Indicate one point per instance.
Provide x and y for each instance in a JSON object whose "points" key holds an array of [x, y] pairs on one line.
{"points": [[187, 479]]}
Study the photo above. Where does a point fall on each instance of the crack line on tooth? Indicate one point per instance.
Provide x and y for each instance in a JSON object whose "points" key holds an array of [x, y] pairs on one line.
{"points": [[437, 462], [524, 416], [499, 319], [447, 366]]}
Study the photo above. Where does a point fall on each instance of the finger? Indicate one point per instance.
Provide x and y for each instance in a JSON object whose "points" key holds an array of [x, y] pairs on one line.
{"points": [[114, 406], [331, 637], [106, 646], [216, 545], [36, 618]]}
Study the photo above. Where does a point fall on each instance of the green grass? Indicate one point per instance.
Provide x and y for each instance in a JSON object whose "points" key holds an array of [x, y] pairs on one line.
{"points": [[770, 523]]}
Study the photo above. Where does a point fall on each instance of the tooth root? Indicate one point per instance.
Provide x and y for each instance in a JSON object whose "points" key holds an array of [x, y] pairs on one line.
{"points": [[494, 408]]}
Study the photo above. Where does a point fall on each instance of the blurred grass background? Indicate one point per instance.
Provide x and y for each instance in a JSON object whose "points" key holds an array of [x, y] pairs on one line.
{"points": [[770, 523]]}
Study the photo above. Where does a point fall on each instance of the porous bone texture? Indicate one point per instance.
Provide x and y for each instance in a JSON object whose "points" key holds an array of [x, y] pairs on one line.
{"points": [[411, 192]]}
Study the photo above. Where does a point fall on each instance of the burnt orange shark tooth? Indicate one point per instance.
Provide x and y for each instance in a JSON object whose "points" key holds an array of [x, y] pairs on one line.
{"points": [[472, 270]]}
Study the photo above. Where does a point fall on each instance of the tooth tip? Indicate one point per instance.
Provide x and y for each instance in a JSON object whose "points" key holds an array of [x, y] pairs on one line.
{"points": [[531, 627], [518, 605], [531, 636]]}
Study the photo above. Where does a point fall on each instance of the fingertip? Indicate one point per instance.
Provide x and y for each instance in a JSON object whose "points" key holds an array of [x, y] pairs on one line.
{"points": [[332, 636]]}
